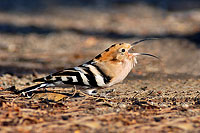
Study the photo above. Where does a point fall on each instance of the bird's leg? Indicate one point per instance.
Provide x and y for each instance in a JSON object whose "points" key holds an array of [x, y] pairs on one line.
{"points": [[74, 91], [90, 94]]}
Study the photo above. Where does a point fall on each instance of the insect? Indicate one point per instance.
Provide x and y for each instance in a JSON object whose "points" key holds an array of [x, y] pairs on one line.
{"points": [[106, 69]]}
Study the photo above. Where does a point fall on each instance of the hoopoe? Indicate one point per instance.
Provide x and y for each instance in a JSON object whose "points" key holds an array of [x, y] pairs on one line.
{"points": [[106, 69]]}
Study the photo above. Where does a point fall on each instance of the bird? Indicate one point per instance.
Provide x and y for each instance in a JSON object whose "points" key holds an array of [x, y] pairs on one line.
{"points": [[108, 68]]}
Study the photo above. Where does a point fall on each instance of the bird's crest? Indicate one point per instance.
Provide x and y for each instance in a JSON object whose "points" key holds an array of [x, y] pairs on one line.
{"points": [[112, 51]]}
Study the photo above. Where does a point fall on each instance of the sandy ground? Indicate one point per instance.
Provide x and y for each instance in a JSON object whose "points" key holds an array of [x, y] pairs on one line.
{"points": [[157, 96]]}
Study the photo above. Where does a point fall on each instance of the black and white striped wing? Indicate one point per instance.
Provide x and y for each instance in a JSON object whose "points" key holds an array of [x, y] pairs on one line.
{"points": [[96, 77], [88, 74], [68, 76], [84, 75]]}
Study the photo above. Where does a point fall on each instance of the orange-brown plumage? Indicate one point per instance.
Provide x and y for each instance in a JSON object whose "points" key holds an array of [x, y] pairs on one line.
{"points": [[116, 62], [110, 54], [106, 69]]}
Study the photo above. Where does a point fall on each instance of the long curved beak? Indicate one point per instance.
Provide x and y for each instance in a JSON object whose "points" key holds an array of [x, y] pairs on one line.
{"points": [[136, 54], [146, 39]]}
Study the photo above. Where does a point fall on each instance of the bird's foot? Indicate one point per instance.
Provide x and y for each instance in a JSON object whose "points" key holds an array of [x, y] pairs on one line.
{"points": [[93, 93], [27, 94]]}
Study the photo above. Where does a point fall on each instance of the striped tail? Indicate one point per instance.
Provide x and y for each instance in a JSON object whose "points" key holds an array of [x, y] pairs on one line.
{"points": [[32, 88]]}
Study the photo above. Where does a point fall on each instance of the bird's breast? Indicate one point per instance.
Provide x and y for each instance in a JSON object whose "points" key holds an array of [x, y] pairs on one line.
{"points": [[121, 71]]}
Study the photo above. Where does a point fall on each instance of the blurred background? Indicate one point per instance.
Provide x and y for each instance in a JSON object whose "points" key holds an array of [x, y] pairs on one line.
{"points": [[47, 35]]}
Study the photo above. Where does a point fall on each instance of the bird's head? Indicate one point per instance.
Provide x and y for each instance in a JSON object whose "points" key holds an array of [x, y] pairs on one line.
{"points": [[121, 52]]}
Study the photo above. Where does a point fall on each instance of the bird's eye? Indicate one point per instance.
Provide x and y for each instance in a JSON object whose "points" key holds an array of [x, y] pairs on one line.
{"points": [[123, 50]]}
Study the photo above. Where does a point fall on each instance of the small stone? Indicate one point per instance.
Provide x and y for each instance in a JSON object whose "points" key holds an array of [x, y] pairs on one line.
{"points": [[158, 119], [65, 117]]}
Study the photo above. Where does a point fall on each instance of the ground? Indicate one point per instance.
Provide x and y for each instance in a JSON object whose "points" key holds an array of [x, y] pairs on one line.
{"points": [[157, 96]]}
